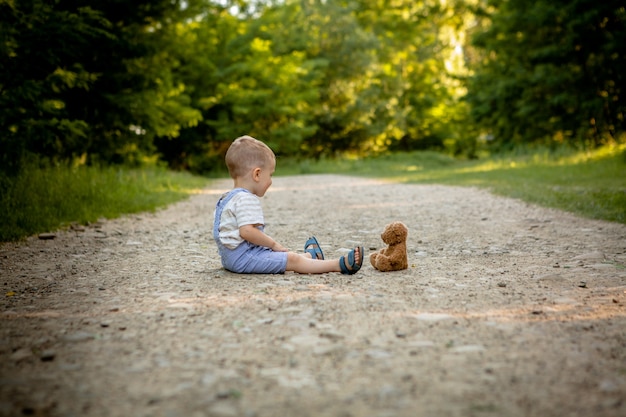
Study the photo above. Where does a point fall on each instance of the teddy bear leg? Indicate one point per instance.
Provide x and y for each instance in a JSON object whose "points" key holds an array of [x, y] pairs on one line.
{"points": [[384, 263], [373, 257]]}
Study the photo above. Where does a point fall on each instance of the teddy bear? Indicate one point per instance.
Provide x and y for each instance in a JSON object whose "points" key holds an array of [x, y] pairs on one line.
{"points": [[393, 257]]}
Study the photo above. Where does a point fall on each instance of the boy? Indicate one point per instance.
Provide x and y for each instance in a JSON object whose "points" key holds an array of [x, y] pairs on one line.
{"points": [[238, 227]]}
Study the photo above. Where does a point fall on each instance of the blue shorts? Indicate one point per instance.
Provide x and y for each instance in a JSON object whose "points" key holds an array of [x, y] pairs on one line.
{"points": [[252, 259]]}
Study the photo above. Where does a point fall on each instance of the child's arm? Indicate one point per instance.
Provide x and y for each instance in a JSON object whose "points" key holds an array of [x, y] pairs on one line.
{"points": [[253, 235]]}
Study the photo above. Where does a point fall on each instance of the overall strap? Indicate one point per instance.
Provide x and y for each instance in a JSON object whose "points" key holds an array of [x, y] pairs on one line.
{"points": [[219, 207]]}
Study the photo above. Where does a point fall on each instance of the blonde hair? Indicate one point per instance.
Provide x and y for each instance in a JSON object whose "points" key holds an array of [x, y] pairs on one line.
{"points": [[247, 153]]}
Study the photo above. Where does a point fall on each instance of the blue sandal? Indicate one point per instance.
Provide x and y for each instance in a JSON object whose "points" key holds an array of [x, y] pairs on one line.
{"points": [[316, 250], [352, 266]]}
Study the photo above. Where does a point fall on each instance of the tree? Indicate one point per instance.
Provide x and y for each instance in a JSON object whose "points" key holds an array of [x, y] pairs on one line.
{"points": [[314, 77], [416, 43], [86, 77], [116, 80], [550, 71], [39, 64], [247, 76]]}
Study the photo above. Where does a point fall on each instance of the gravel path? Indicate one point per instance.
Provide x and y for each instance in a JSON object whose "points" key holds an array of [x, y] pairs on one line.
{"points": [[507, 309]]}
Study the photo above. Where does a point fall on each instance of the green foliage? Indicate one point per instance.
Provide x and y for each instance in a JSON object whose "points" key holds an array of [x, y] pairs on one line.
{"points": [[85, 78], [589, 183], [37, 38], [269, 92], [385, 165], [345, 115], [118, 81], [42, 199], [245, 79], [416, 99], [313, 78], [550, 71]]}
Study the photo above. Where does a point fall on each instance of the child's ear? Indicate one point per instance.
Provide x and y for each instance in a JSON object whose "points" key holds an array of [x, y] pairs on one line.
{"points": [[256, 173]]}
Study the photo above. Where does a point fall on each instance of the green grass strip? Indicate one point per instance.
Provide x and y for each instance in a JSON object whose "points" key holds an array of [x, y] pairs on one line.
{"points": [[591, 184], [42, 200]]}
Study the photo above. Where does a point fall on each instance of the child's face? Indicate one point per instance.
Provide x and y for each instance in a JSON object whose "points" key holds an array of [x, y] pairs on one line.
{"points": [[264, 179]]}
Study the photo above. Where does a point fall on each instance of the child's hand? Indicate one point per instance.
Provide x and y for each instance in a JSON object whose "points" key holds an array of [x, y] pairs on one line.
{"points": [[279, 248]]}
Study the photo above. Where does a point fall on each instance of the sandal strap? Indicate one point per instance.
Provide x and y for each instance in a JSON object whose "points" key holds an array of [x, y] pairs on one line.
{"points": [[314, 251], [354, 267]]}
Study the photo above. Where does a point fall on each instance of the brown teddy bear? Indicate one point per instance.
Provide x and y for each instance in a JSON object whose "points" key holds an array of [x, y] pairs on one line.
{"points": [[393, 257]]}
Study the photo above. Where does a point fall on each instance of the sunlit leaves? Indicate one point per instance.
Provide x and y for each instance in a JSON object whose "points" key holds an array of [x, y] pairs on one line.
{"points": [[551, 71], [74, 78]]}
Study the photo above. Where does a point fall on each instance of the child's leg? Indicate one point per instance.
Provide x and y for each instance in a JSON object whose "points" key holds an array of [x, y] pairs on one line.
{"points": [[252, 259], [305, 265]]}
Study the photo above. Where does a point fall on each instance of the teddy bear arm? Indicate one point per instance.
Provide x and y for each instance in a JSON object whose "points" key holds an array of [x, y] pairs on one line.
{"points": [[399, 257], [383, 262]]}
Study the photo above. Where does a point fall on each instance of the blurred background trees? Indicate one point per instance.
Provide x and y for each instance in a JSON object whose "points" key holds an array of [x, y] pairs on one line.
{"points": [[550, 71], [121, 82]]}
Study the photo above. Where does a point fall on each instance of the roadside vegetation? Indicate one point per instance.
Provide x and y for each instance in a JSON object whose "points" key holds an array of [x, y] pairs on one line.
{"points": [[590, 183], [353, 86], [46, 199]]}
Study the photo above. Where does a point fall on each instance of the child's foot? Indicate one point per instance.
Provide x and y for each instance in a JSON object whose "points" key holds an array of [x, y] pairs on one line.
{"points": [[355, 260], [312, 247]]}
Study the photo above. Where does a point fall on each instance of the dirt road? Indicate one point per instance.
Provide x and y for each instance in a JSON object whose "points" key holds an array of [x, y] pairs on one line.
{"points": [[507, 309]]}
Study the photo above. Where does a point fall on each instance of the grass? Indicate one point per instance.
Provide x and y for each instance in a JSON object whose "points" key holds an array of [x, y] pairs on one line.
{"points": [[42, 200], [591, 184]]}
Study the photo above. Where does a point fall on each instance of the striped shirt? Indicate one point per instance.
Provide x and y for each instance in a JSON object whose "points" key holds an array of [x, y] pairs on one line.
{"points": [[242, 209]]}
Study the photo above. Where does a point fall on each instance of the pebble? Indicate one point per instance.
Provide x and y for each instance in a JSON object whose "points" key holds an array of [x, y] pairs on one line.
{"points": [[603, 266], [305, 340], [326, 350], [608, 385], [70, 367], [223, 409], [332, 335], [591, 256], [77, 227], [378, 354], [181, 306], [468, 349], [47, 355], [78, 337], [432, 316], [21, 354], [289, 378], [564, 300], [551, 278], [421, 343]]}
